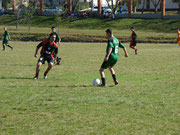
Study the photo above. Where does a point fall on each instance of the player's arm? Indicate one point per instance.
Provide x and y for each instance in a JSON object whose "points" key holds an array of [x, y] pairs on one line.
{"points": [[58, 39], [9, 36], [37, 48], [124, 49], [108, 54]]}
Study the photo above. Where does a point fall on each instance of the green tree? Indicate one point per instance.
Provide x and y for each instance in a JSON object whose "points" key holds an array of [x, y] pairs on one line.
{"points": [[155, 3], [5, 3]]}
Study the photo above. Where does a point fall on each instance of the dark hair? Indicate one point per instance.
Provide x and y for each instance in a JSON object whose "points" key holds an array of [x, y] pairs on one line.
{"points": [[109, 31], [53, 27], [132, 28]]}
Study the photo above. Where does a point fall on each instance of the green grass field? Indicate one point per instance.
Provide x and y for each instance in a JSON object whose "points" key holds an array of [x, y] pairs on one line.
{"points": [[145, 102]]}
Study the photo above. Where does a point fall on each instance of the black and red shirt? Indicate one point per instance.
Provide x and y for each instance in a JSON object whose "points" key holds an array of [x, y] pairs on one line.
{"points": [[48, 49], [133, 36]]}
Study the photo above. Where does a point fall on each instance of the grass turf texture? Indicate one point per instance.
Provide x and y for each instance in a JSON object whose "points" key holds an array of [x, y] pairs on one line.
{"points": [[92, 29], [145, 102]]}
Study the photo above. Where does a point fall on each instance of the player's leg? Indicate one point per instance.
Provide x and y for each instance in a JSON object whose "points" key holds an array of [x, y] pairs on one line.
{"points": [[39, 64], [101, 70], [7, 44], [3, 47], [113, 75], [10, 46], [50, 65], [3, 44]]}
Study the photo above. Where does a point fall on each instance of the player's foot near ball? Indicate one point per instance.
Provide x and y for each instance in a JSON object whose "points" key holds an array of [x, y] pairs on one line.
{"points": [[136, 51], [101, 85], [116, 82], [45, 76], [36, 77]]}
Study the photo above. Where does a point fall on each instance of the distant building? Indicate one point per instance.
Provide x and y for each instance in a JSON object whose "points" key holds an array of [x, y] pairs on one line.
{"points": [[149, 5]]}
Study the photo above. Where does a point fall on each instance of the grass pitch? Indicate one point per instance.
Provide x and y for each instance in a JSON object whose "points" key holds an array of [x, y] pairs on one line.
{"points": [[145, 102]]}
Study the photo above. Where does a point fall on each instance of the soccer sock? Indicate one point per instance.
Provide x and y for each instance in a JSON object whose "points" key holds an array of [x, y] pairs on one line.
{"points": [[9, 46], [133, 47], [46, 72], [103, 81], [37, 74], [114, 77], [3, 47]]}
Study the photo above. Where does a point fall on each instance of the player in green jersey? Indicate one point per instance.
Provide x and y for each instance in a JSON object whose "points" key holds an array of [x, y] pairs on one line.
{"points": [[6, 39], [111, 57], [58, 40]]}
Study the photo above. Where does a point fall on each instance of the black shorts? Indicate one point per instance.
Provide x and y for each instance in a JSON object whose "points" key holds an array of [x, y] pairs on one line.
{"points": [[109, 63], [42, 59], [133, 43]]}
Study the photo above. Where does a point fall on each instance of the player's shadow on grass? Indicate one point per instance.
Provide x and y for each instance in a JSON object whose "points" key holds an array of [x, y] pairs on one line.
{"points": [[78, 86], [72, 86], [18, 78]]}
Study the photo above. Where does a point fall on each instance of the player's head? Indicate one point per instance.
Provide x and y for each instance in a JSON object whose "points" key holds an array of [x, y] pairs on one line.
{"points": [[132, 28], [109, 33], [53, 29], [52, 37], [5, 28]]}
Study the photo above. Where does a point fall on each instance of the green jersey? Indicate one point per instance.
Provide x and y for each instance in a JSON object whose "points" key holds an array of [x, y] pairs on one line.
{"points": [[114, 43], [6, 35]]}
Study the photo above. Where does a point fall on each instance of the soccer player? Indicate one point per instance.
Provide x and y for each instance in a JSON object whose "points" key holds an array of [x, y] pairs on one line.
{"points": [[133, 40], [58, 40], [48, 48], [111, 57], [6, 39], [178, 37]]}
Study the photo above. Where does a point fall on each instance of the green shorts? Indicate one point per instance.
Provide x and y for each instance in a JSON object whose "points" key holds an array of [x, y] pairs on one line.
{"points": [[109, 63], [5, 42]]}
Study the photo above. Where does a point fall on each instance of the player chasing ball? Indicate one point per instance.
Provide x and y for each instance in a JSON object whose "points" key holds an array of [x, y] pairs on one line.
{"points": [[111, 57], [48, 51], [6, 39], [133, 40]]}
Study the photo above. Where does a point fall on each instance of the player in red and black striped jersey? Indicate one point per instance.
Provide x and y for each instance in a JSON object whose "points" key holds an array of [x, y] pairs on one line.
{"points": [[133, 40], [49, 49]]}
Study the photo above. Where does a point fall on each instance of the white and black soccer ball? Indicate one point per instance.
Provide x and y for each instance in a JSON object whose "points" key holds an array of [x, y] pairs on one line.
{"points": [[96, 82]]}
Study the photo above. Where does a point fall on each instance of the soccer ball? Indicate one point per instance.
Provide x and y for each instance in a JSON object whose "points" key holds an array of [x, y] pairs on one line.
{"points": [[96, 82]]}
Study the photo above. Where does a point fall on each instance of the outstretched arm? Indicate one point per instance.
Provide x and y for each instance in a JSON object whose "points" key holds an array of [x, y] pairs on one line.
{"points": [[37, 48], [35, 55], [124, 49], [108, 54], [125, 52]]}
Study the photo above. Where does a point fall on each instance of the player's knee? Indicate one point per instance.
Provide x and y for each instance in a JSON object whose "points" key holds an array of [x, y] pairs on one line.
{"points": [[101, 70], [39, 64], [50, 64]]}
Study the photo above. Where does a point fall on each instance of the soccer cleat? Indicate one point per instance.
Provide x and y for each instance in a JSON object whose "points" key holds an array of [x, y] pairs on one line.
{"points": [[36, 77], [116, 82], [45, 76], [11, 48], [101, 85], [136, 51]]}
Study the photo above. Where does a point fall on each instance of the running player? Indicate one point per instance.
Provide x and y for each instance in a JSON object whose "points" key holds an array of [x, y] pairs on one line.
{"points": [[133, 40], [178, 37], [58, 40], [6, 39], [111, 57], [48, 48]]}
